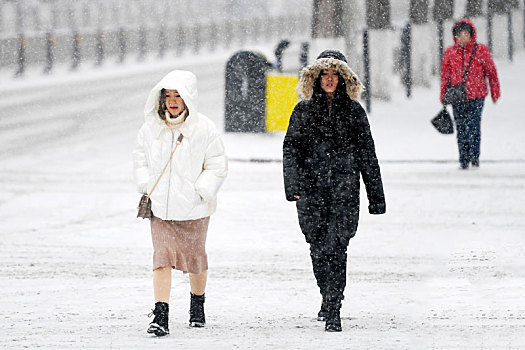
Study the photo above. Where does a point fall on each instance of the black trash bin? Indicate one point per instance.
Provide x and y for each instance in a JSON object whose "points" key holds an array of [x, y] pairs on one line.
{"points": [[245, 95]]}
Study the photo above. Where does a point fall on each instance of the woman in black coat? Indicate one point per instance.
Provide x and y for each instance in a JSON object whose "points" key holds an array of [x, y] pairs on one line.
{"points": [[327, 147]]}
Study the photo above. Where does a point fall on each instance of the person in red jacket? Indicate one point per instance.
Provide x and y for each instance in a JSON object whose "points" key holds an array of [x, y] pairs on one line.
{"points": [[467, 115]]}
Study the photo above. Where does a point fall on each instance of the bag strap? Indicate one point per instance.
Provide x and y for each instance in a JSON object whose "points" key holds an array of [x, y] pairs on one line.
{"points": [[469, 63], [179, 140]]}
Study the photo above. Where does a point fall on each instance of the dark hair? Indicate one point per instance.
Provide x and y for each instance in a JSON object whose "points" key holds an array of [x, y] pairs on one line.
{"points": [[162, 104], [462, 26], [318, 91]]}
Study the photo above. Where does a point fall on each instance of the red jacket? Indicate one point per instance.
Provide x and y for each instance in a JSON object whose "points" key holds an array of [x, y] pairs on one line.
{"points": [[455, 61]]}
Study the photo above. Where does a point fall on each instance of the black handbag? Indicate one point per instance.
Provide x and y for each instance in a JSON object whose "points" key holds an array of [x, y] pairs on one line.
{"points": [[443, 122], [144, 207], [457, 94]]}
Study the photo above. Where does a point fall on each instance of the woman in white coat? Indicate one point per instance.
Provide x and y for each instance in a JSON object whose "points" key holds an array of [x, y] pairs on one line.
{"points": [[185, 196]]}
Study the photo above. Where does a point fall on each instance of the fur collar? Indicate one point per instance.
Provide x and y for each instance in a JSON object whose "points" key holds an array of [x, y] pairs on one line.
{"points": [[310, 73]]}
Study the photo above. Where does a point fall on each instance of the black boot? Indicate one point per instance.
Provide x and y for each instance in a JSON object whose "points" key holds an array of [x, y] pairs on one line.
{"points": [[323, 313], [159, 325], [333, 319], [197, 318]]}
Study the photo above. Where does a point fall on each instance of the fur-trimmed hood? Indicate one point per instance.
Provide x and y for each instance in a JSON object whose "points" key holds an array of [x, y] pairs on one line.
{"points": [[310, 73]]}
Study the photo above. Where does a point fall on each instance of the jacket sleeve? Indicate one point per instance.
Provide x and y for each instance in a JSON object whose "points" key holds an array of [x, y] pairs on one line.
{"points": [[445, 74], [140, 164], [214, 168], [368, 164], [292, 155], [489, 69]]}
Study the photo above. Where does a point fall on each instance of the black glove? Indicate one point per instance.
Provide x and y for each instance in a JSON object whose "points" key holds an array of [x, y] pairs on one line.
{"points": [[377, 208]]}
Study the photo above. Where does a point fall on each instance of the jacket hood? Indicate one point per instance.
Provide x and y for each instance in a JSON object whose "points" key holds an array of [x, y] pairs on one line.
{"points": [[474, 31], [338, 55], [310, 73], [185, 83]]}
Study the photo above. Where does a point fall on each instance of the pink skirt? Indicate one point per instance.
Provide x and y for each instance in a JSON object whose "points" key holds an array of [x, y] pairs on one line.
{"points": [[180, 244]]}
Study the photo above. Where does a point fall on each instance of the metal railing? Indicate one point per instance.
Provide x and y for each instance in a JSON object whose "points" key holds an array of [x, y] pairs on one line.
{"points": [[51, 32]]}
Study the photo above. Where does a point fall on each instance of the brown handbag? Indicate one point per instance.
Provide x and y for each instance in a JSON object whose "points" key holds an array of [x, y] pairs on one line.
{"points": [[144, 207]]}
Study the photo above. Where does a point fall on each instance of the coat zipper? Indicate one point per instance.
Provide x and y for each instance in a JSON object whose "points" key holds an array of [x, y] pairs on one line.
{"points": [[169, 178], [329, 175]]}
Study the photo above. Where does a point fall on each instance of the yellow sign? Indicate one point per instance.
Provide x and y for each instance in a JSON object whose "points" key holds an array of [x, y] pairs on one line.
{"points": [[281, 98]]}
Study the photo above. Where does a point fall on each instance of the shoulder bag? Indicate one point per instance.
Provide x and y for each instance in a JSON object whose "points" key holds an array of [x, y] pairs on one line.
{"points": [[457, 94]]}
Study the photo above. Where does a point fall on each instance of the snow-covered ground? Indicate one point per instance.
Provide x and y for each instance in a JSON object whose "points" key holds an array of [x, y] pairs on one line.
{"points": [[444, 269]]}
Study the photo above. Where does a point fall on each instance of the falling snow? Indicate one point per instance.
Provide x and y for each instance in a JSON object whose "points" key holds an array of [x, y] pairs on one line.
{"points": [[443, 269]]}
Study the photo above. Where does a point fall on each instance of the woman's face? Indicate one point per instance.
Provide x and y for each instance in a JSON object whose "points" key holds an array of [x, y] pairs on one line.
{"points": [[174, 103], [329, 80], [463, 38]]}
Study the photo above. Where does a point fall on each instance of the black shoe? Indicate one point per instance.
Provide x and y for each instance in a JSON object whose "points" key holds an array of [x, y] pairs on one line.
{"points": [[333, 323], [475, 163], [463, 166], [333, 319], [197, 318], [323, 313], [159, 325]]}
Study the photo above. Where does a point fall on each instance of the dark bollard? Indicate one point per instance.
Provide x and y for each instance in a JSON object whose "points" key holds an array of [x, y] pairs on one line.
{"points": [[228, 34], [271, 28], [256, 30], [21, 55], [122, 45], [366, 60], [489, 30], [406, 58], [163, 41], [181, 40], [510, 31], [50, 55], [245, 95], [214, 36], [99, 49], [441, 40], [240, 29], [281, 46], [303, 58], [76, 56], [142, 43], [196, 38]]}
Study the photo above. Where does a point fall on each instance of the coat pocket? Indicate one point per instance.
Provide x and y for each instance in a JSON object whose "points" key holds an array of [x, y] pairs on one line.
{"points": [[190, 193]]}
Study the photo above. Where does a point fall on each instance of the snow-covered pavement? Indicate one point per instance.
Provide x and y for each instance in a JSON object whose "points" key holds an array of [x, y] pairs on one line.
{"points": [[444, 269]]}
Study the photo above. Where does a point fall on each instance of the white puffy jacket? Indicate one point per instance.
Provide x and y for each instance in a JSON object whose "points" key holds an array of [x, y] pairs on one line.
{"points": [[188, 189]]}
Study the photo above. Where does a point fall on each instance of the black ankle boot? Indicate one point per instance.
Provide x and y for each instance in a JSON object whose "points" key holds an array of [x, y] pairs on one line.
{"points": [[333, 318], [159, 325], [197, 318], [323, 313]]}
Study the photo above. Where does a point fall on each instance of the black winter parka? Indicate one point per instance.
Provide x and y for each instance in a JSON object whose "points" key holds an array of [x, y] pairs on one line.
{"points": [[325, 152]]}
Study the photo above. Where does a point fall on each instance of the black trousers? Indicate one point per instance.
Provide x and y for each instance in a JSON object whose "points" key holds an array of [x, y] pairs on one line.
{"points": [[329, 265]]}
